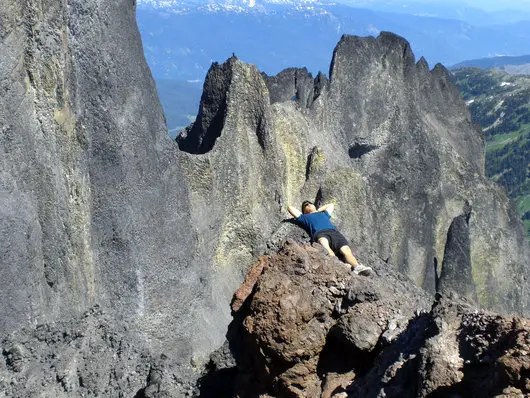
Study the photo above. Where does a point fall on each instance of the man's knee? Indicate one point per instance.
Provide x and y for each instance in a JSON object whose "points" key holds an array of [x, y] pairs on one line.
{"points": [[323, 242], [345, 249]]}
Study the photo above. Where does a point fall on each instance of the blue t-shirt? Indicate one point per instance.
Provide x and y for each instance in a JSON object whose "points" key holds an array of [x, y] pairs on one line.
{"points": [[315, 222]]}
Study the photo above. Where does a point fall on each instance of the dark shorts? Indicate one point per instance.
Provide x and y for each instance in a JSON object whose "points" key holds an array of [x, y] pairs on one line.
{"points": [[335, 238]]}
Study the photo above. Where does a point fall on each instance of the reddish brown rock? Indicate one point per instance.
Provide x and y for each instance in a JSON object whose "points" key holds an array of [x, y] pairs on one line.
{"points": [[246, 288], [312, 328], [304, 307], [299, 381], [336, 383]]}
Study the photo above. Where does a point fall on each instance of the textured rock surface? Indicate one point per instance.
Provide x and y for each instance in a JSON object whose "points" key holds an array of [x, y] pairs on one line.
{"points": [[93, 207], [87, 357], [313, 329], [390, 142], [99, 207], [452, 351]]}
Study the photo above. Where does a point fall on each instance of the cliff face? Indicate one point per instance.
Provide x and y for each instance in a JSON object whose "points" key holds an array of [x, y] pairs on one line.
{"points": [[84, 163], [100, 208], [92, 204], [390, 142]]}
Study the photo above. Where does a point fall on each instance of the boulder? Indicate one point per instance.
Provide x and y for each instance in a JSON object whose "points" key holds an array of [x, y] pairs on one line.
{"points": [[311, 328]]}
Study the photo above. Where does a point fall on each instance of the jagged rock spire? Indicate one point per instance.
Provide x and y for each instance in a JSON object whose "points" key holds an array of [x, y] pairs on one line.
{"points": [[456, 275]]}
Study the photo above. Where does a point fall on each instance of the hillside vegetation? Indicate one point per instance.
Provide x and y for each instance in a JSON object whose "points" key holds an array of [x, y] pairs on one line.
{"points": [[500, 104], [180, 101]]}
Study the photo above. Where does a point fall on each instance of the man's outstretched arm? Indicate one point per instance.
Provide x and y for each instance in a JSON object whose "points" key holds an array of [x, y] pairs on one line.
{"points": [[329, 208], [294, 212]]}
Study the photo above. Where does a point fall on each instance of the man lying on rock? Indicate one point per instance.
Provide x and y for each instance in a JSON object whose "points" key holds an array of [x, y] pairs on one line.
{"points": [[319, 227]]}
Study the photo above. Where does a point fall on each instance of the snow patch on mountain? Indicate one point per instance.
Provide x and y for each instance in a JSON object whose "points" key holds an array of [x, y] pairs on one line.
{"points": [[237, 6]]}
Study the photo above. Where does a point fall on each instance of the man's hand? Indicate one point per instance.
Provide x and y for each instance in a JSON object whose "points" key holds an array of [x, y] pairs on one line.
{"points": [[294, 212], [329, 208]]}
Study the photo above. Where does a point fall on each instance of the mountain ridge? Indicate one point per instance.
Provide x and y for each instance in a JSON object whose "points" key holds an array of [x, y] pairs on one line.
{"points": [[499, 62], [118, 247], [240, 6], [177, 45], [298, 102]]}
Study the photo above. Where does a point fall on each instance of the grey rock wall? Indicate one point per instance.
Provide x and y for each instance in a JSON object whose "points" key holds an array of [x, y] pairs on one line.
{"points": [[392, 144], [99, 207], [93, 207]]}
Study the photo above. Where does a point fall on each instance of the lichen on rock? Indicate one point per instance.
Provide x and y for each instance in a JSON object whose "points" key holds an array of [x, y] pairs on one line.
{"points": [[99, 207]]}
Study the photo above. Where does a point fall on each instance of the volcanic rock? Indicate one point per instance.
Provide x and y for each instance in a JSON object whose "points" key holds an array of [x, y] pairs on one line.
{"points": [[99, 207], [309, 316], [311, 328]]}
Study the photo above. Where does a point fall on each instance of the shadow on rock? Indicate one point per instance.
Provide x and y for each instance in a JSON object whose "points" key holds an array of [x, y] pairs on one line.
{"points": [[305, 326]]}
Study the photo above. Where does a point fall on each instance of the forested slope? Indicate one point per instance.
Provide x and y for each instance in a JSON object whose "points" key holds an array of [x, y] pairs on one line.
{"points": [[180, 100], [500, 104]]}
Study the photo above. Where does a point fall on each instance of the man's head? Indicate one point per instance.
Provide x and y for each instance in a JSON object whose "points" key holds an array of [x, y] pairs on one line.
{"points": [[308, 207]]}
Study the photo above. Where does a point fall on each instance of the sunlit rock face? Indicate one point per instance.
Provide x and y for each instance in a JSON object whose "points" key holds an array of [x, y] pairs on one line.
{"points": [[385, 138], [99, 207]]}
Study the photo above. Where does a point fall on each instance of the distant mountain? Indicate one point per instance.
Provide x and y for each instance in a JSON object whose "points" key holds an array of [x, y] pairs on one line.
{"points": [[182, 6], [501, 62], [182, 38], [517, 69], [500, 104], [449, 10], [456, 10]]}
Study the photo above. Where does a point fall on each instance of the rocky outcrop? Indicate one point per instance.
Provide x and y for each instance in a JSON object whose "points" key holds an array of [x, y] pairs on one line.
{"points": [[456, 273], [307, 305], [295, 85], [200, 137], [311, 328], [385, 138], [100, 208]]}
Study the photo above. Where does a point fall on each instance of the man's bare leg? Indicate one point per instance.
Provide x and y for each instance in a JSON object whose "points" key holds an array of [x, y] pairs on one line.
{"points": [[324, 242], [348, 256], [357, 268]]}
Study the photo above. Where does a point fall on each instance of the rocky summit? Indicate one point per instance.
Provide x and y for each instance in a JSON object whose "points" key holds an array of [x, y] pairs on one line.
{"points": [[385, 138], [121, 249], [311, 328]]}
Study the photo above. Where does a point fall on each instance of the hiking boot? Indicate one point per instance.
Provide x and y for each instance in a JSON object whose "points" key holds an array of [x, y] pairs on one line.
{"points": [[362, 270]]}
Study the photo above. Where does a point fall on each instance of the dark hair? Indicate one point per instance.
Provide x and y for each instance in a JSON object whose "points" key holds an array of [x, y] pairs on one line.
{"points": [[305, 203]]}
